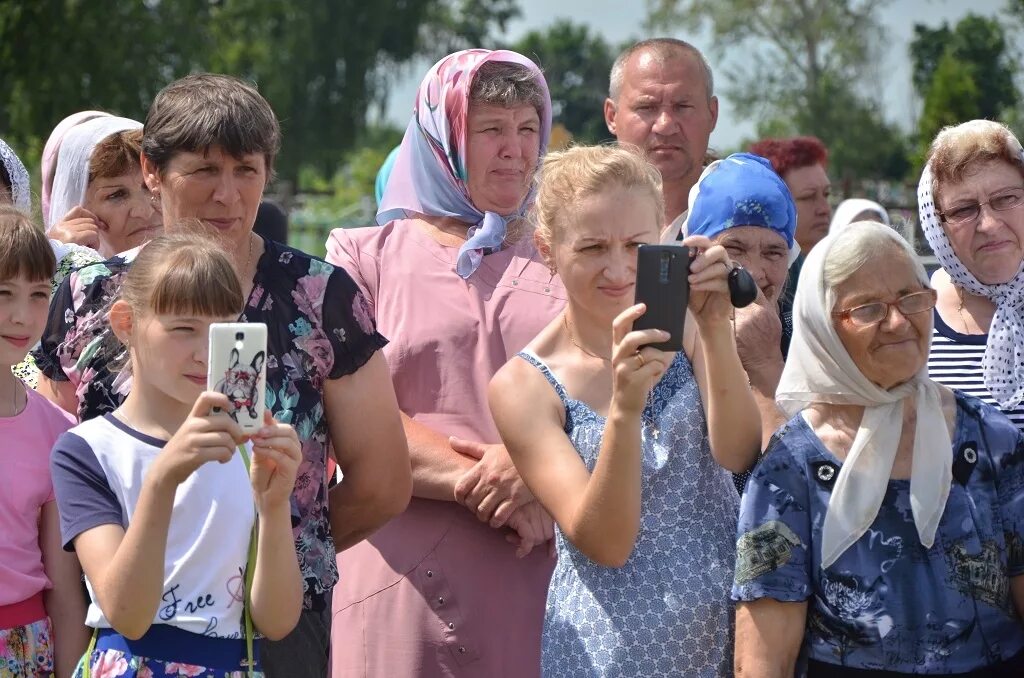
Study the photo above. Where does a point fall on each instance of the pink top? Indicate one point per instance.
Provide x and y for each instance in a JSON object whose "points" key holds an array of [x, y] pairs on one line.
{"points": [[475, 609], [24, 487]]}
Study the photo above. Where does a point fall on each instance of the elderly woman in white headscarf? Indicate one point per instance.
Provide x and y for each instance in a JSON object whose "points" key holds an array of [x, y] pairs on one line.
{"points": [[882, 532], [971, 203], [857, 209], [98, 197]]}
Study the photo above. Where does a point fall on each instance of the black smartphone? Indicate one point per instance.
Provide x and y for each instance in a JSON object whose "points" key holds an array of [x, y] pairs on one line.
{"points": [[662, 273]]}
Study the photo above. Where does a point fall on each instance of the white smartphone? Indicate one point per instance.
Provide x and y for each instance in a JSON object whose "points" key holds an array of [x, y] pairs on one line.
{"points": [[237, 367]]}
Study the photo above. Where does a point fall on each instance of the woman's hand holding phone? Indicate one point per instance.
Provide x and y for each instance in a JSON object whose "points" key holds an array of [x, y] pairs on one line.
{"points": [[206, 435], [709, 282], [636, 366], [276, 455]]}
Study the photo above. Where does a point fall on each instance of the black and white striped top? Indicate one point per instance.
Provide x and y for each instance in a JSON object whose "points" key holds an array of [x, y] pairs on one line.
{"points": [[955, 361]]}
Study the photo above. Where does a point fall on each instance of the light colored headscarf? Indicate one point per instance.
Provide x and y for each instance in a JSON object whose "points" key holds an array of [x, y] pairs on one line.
{"points": [[52, 148], [1003, 363], [72, 176], [21, 194], [742, 190], [819, 369], [849, 211], [429, 176]]}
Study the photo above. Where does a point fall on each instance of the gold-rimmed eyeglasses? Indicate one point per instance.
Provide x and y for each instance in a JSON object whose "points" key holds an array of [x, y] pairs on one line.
{"points": [[876, 312], [1000, 202]]}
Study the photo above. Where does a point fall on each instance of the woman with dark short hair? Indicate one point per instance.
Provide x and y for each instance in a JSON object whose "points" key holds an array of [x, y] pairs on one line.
{"points": [[208, 147]]}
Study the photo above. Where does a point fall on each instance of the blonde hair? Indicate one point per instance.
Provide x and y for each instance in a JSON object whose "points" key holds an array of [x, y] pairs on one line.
{"points": [[183, 273], [567, 177], [959, 148]]}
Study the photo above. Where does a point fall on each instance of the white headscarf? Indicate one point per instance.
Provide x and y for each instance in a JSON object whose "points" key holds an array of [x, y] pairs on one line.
{"points": [[21, 194], [1003, 363], [72, 175], [818, 369], [849, 210], [52, 149]]}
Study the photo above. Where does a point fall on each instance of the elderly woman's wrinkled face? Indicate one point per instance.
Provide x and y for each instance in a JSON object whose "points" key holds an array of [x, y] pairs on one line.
{"points": [[125, 207], [222, 191], [991, 246], [893, 350], [502, 150], [811, 189], [595, 254], [761, 251]]}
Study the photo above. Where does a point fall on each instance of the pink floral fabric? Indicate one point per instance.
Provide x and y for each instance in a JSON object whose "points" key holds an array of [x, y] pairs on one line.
{"points": [[110, 663], [26, 650]]}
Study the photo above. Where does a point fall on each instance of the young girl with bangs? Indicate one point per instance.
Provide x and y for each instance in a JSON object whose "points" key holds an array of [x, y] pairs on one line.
{"points": [[41, 607], [162, 533]]}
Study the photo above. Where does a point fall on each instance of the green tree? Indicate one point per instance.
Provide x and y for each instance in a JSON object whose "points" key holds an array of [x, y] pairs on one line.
{"points": [[322, 64], [576, 64], [799, 59], [976, 49]]}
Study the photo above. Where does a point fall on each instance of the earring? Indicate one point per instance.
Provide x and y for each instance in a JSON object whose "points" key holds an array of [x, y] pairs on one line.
{"points": [[154, 197]]}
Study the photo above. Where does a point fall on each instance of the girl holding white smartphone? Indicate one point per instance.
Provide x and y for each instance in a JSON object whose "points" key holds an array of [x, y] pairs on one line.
{"points": [[179, 580]]}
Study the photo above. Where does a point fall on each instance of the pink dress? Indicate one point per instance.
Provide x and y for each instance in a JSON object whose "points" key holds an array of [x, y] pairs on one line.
{"points": [[435, 592]]}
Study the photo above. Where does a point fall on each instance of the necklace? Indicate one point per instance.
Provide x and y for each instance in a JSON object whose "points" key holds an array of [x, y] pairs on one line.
{"points": [[14, 398], [647, 417], [572, 338], [960, 310]]}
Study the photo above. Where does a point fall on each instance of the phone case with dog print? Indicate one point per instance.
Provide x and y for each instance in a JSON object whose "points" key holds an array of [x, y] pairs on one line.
{"points": [[237, 367]]}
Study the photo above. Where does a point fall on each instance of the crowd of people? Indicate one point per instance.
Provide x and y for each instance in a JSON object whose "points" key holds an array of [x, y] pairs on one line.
{"points": [[471, 463]]}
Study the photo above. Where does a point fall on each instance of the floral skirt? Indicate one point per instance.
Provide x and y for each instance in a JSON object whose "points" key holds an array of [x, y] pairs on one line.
{"points": [[26, 650], [111, 663]]}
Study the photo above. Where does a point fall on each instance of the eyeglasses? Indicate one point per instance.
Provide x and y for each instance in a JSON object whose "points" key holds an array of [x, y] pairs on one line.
{"points": [[874, 313], [969, 213]]}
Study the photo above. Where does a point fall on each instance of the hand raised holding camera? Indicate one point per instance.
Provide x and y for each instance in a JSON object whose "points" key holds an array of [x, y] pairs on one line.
{"points": [[636, 367], [276, 455], [206, 435]]}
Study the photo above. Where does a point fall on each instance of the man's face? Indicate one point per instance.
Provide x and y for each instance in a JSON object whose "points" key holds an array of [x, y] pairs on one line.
{"points": [[663, 108]]}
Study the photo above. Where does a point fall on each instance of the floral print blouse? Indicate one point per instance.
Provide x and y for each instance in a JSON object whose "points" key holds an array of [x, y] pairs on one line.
{"points": [[308, 342], [889, 603]]}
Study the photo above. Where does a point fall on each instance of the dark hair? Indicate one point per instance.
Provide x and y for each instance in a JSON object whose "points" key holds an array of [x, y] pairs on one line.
{"points": [[24, 247], [207, 109], [664, 49], [183, 273], [791, 153], [5, 179], [116, 155]]}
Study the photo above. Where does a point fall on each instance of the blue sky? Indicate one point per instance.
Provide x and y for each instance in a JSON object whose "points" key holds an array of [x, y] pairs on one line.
{"points": [[619, 20]]}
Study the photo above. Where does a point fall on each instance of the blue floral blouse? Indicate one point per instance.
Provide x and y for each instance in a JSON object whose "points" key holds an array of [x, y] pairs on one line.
{"points": [[319, 327], [889, 603]]}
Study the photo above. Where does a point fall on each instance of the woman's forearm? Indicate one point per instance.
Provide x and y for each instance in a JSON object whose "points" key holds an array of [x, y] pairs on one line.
{"points": [[607, 519], [436, 467], [277, 580], [734, 421]]}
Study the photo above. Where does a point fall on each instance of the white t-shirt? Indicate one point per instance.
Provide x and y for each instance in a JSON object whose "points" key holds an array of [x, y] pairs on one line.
{"points": [[98, 468]]}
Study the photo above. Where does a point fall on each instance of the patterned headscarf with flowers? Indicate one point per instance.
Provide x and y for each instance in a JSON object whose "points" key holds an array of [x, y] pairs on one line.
{"points": [[429, 175]]}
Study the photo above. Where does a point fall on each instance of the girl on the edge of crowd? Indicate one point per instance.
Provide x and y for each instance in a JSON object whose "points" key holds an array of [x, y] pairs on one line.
{"points": [[623, 444], [41, 606], [163, 535]]}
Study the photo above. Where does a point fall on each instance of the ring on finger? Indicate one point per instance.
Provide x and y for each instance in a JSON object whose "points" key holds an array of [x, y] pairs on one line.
{"points": [[641, 359]]}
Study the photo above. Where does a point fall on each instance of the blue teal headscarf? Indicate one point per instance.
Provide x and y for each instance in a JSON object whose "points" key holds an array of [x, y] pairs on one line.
{"points": [[383, 174], [741, 190]]}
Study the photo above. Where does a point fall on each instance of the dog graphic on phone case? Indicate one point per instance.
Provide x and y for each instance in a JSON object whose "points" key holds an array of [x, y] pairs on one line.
{"points": [[240, 383]]}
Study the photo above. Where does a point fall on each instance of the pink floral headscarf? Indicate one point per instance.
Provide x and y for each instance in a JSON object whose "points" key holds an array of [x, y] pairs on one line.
{"points": [[429, 176]]}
